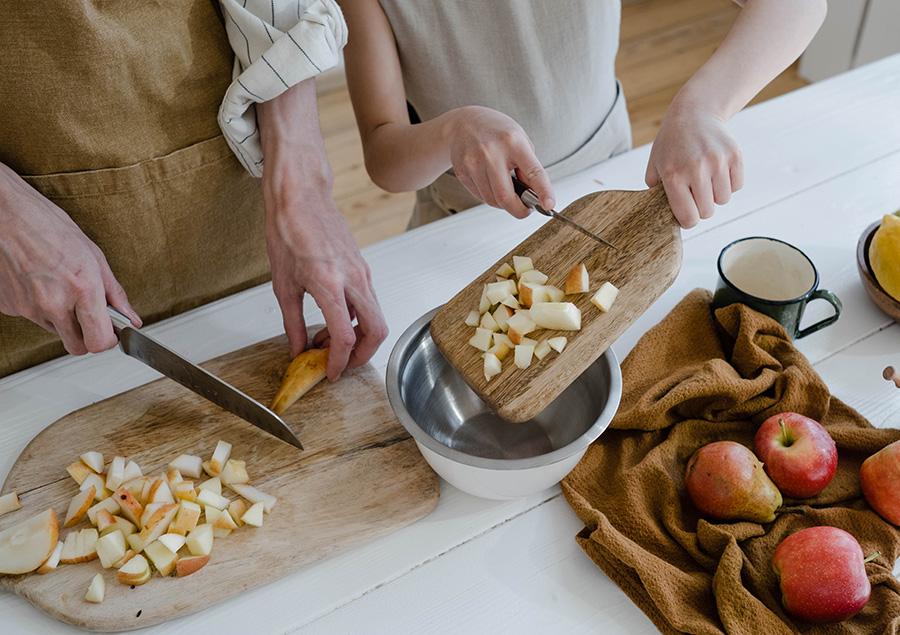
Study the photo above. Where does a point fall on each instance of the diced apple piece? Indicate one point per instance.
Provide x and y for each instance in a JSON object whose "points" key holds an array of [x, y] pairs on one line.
{"points": [[236, 508], [115, 476], [206, 497], [211, 515], [149, 510], [173, 477], [144, 496], [558, 343], [500, 315], [9, 503], [79, 471], [93, 460], [161, 557], [533, 276], [51, 563], [254, 515], [137, 486], [173, 542], [111, 548], [473, 318], [511, 302], [505, 271], [492, 366], [188, 465], [189, 564], [186, 518], [503, 338], [160, 492], [135, 542], [254, 495], [185, 491], [134, 572], [27, 545], [220, 455], [213, 485], [497, 291], [605, 296], [80, 546], [520, 325], [132, 471], [106, 522], [131, 553], [523, 356], [158, 523], [96, 590], [529, 293], [481, 340], [108, 504], [578, 281], [125, 526], [521, 264], [224, 522], [200, 541], [208, 469], [559, 316], [234, 472], [555, 294], [484, 304], [96, 481], [527, 341], [500, 351], [79, 506], [488, 322], [131, 508], [542, 349]]}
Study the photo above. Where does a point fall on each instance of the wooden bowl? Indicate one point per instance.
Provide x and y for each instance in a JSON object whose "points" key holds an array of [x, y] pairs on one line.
{"points": [[882, 300]]}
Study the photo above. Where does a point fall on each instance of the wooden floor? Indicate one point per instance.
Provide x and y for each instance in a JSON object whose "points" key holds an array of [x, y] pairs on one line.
{"points": [[662, 43]]}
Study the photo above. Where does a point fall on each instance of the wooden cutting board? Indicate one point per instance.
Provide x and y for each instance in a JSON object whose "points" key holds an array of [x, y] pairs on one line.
{"points": [[646, 261], [360, 477]]}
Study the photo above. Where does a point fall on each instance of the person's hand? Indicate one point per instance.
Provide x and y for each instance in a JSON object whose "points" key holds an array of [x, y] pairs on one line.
{"points": [[52, 274], [485, 145], [311, 251], [698, 162]]}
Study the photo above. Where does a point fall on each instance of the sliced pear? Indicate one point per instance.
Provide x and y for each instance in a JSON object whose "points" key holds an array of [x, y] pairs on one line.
{"points": [[134, 572], [521, 264], [190, 564], [236, 508], [213, 485], [93, 460], [108, 504], [80, 546], [27, 545], [578, 280], [220, 456], [79, 471], [51, 563], [9, 503], [186, 518], [254, 515], [254, 495], [111, 548], [304, 372], [605, 296], [559, 316], [234, 472], [79, 506], [96, 590], [115, 476], [188, 465], [161, 557], [173, 542], [200, 541], [558, 343]]}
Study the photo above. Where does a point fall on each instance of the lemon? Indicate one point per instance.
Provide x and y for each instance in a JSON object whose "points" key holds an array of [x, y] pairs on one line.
{"points": [[884, 255]]}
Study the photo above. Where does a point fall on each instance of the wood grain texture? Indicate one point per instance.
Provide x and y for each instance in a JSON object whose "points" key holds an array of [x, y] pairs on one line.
{"points": [[360, 477], [646, 261], [888, 305]]}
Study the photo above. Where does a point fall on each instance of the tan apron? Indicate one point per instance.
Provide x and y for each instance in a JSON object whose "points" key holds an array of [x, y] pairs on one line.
{"points": [[109, 110], [548, 65]]}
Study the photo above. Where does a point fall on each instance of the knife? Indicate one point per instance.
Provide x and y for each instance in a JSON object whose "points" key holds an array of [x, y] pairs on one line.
{"points": [[530, 199], [141, 346]]}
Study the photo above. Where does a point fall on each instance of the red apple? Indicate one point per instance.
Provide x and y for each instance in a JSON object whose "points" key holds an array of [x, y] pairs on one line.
{"points": [[880, 480], [798, 453], [726, 481], [822, 574]]}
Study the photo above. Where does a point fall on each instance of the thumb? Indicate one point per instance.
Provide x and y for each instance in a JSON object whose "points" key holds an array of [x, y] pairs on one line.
{"points": [[651, 176]]}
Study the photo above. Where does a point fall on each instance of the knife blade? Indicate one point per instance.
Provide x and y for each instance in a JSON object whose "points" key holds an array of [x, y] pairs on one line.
{"points": [[144, 348], [530, 199]]}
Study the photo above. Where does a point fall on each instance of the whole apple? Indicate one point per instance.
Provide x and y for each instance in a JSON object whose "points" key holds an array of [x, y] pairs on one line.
{"points": [[798, 453], [880, 480], [822, 575], [725, 480]]}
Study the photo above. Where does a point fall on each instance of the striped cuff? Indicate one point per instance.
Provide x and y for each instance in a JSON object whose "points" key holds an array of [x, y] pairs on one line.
{"points": [[268, 60]]}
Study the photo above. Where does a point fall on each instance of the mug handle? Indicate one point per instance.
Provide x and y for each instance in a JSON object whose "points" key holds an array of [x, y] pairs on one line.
{"points": [[834, 301]]}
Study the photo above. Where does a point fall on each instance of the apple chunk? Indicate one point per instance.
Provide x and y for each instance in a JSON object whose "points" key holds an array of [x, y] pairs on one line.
{"points": [[129, 505], [111, 548], [93, 460], [79, 506], [115, 476], [9, 503], [186, 518], [161, 557], [558, 343], [492, 366], [134, 572], [605, 296], [79, 471], [51, 563], [234, 472], [190, 564], [521, 264], [578, 281], [473, 318], [254, 515], [559, 316], [96, 590], [200, 541], [254, 495], [188, 465], [482, 339], [26, 546], [220, 455], [523, 356], [80, 546], [520, 325]]}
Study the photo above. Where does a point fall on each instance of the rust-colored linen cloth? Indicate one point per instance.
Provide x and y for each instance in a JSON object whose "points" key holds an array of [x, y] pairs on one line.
{"points": [[695, 378]]}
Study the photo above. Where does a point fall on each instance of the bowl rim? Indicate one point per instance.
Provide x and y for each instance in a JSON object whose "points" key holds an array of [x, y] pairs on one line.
{"points": [[864, 266], [580, 444]]}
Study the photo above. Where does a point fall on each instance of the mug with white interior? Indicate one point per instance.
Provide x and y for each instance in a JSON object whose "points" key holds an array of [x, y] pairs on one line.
{"points": [[774, 278]]}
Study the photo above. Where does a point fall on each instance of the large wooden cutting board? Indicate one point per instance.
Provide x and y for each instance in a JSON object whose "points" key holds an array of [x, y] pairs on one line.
{"points": [[646, 261], [359, 477]]}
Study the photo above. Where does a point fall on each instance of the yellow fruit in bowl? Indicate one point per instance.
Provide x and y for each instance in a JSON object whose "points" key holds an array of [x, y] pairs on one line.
{"points": [[884, 255]]}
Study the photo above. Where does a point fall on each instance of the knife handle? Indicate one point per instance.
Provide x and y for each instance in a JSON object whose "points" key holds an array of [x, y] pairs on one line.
{"points": [[528, 196], [119, 321]]}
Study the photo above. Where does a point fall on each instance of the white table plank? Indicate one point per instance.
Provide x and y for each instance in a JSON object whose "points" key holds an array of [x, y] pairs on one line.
{"points": [[791, 144]]}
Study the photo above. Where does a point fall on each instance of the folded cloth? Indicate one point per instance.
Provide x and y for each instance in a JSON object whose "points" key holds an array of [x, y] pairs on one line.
{"points": [[695, 378]]}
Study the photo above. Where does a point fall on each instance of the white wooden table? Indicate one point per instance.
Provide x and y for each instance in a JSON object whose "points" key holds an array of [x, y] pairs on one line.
{"points": [[821, 164]]}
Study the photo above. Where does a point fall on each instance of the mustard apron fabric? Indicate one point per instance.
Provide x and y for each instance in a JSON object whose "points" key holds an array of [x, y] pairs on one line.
{"points": [[548, 65], [109, 110]]}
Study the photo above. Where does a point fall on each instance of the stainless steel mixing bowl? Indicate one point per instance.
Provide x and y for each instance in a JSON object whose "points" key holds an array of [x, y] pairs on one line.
{"points": [[474, 449]]}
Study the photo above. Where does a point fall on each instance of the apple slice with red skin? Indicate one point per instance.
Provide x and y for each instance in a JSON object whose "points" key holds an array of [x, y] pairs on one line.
{"points": [[798, 454], [879, 477], [822, 575]]}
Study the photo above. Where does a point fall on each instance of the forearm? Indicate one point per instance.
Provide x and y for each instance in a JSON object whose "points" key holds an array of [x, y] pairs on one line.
{"points": [[295, 159], [767, 37], [402, 157]]}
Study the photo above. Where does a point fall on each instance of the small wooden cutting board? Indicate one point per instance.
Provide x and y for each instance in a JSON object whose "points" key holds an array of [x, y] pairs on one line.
{"points": [[647, 260], [360, 477]]}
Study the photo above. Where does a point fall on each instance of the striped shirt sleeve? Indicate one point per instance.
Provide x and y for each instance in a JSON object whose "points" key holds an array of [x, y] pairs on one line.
{"points": [[277, 44]]}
